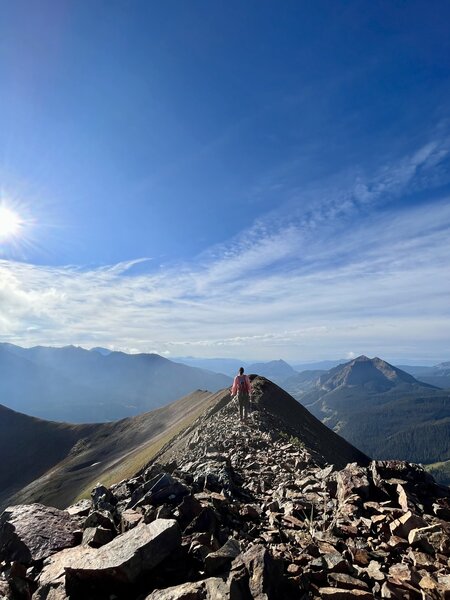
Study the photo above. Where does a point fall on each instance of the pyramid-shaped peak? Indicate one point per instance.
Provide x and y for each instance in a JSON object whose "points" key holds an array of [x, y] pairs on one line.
{"points": [[373, 373]]}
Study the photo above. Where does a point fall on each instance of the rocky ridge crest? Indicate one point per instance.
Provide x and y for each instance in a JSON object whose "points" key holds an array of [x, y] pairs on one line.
{"points": [[232, 511]]}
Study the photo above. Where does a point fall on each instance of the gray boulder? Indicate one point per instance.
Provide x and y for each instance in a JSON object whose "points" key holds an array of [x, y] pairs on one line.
{"points": [[97, 536], [219, 560], [125, 559], [254, 574], [83, 571], [31, 532], [51, 581], [213, 588]]}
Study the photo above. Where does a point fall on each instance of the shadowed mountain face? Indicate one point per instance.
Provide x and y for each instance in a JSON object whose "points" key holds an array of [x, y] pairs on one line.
{"points": [[79, 386], [29, 447], [383, 410]]}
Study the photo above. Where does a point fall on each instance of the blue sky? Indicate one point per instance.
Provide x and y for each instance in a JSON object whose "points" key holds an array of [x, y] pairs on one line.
{"points": [[232, 178]]}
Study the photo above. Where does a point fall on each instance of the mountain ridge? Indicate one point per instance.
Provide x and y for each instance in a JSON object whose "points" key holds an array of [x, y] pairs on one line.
{"points": [[325, 444], [77, 385], [99, 450], [239, 511]]}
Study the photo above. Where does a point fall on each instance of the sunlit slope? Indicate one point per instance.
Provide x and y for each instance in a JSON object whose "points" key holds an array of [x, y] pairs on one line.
{"points": [[54, 463]]}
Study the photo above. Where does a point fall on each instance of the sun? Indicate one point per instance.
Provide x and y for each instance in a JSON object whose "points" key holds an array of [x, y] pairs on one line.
{"points": [[10, 223]]}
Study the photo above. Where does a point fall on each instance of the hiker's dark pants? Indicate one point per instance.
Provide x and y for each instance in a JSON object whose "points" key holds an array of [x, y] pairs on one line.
{"points": [[244, 405]]}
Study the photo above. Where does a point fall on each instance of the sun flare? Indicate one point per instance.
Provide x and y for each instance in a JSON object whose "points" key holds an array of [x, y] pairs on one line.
{"points": [[10, 222]]}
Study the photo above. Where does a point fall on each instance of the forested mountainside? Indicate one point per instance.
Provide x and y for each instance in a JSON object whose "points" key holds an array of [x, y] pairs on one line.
{"points": [[381, 409]]}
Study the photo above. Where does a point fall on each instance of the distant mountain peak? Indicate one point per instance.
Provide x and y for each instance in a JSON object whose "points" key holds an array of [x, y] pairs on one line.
{"points": [[101, 350], [94, 387], [277, 370], [373, 373], [274, 362]]}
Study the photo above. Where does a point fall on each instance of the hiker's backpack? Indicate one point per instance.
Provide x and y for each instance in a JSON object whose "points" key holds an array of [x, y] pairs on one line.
{"points": [[243, 384]]}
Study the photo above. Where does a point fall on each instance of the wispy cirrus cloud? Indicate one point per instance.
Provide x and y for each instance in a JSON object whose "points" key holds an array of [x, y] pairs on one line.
{"points": [[344, 272]]}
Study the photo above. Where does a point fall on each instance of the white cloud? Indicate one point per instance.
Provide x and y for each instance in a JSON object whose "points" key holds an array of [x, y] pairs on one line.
{"points": [[301, 288]]}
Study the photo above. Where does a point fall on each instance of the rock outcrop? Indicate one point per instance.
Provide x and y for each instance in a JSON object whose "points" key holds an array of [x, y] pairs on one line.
{"points": [[232, 511], [29, 533]]}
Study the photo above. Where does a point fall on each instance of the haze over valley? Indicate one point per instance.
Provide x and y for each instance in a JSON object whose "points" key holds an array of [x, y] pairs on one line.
{"points": [[81, 386]]}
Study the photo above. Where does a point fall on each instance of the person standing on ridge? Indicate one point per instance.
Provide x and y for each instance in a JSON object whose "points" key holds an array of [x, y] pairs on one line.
{"points": [[243, 389]]}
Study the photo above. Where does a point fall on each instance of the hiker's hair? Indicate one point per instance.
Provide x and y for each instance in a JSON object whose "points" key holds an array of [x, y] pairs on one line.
{"points": [[241, 370]]}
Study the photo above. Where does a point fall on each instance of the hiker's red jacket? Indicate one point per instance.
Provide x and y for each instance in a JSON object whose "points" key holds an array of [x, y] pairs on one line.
{"points": [[236, 386]]}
